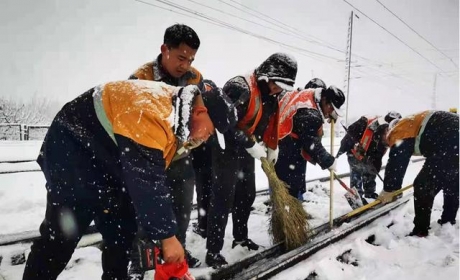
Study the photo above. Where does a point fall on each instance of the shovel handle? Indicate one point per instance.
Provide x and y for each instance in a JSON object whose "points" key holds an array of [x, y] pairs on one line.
{"points": [[343, 184], [373, 203]]}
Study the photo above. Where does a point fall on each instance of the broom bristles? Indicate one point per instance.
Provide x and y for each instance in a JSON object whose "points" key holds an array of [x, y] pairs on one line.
{"points": [[288, 222]]}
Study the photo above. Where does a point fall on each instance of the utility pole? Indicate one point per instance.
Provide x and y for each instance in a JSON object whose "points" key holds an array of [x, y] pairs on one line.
{"points": [[433, 98], [348, 64]]}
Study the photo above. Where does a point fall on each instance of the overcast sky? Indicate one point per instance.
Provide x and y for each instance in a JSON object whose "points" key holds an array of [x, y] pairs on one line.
{"points": [[61, 48]]}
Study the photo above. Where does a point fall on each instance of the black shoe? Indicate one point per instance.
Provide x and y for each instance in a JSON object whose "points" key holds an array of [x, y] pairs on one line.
{"points": [[248, 243], [201, 232], [442, 222], [191, 260], [215, 260], [135, 272], [371, 195], [419, 232], [136, 276]]}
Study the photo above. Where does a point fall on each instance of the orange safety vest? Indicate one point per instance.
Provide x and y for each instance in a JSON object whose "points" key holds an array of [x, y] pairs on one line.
{"points": [[254, 112], [360, 150], [411, 126], [289, 104]]}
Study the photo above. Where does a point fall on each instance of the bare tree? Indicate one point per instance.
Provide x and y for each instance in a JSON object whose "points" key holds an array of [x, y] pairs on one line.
{"points": [[34, 111]]}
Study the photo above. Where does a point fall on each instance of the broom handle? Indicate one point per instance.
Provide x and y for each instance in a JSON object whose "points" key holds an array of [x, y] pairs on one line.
{"points": [[373, 203], [331, 199]]}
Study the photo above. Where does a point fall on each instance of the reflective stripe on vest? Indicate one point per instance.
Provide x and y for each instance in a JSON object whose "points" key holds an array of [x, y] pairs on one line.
{"points": [[254, 113], [420, 132], [100, 112]]}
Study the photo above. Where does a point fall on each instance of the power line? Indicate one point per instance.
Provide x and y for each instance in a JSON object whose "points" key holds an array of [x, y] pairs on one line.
{"points": [[417, 33], [304, 52], [283, 31], [235, 16], [403, 87], [221, 23], [291, 30], [177, 12], [393, 35], [264, 17], [386, 73]]}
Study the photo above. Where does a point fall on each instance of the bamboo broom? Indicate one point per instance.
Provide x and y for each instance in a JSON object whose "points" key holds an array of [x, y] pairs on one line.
{"points": [[288, 222]]}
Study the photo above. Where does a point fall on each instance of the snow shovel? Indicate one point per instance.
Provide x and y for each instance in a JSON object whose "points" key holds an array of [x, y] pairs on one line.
{"points": [[352, 196], [372, 204]]}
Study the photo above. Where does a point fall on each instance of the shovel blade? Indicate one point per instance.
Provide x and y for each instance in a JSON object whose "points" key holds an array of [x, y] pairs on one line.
{"points": [[353, 200]]}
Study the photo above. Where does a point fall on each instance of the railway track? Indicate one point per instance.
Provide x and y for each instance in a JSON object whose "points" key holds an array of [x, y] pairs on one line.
{"points": [[262, 265], [275, 259], [30, 236]]}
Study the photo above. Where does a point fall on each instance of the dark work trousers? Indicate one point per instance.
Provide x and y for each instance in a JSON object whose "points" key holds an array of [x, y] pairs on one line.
{"points": [[291, 167], [361, 177], [180, 179], [64, 225], [233, 188], [439, 144], [436, 175], [202, 164], [81, 189]]}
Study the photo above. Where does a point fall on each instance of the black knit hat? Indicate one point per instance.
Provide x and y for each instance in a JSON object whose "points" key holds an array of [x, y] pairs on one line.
{"points": [[316, 83], [334, 96], [280, 68], [220, 109]]}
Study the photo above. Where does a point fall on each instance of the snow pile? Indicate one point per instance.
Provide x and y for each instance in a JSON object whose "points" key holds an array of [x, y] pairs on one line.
{"points": [[379, 251]]}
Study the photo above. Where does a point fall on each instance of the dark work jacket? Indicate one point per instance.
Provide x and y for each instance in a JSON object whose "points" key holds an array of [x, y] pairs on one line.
{"points": [[81, 163], [306, 124], [377, 148], [439, 142]]}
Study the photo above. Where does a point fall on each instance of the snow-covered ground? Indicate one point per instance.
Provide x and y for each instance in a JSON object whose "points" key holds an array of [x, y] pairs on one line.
{"points": [[392, 255]]}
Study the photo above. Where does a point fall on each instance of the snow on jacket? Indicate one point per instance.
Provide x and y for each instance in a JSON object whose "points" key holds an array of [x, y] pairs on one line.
{"points": [[143, 112], [432, 134], [122, 131], [153, 71]]}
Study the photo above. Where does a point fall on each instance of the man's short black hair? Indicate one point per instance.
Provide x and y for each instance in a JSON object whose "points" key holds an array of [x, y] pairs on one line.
{"points": [[181, 33]]}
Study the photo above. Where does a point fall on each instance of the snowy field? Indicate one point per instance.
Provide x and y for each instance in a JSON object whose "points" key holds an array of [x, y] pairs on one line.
{"points": [[392, 255]]}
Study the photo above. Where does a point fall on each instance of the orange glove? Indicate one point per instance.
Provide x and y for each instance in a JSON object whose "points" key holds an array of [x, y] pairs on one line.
{"points": [[201, 126]]}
